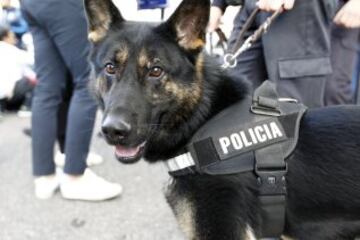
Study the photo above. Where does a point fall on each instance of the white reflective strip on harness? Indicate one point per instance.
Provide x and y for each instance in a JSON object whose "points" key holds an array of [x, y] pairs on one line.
{"points": [[180, 162]]}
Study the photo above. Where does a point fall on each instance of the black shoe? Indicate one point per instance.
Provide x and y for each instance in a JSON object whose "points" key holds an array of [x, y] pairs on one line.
{"points": [[27, 131]]}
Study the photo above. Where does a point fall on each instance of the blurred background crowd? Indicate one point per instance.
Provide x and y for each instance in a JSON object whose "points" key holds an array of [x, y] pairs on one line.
{"points": [[17, 74], [18, 77]]}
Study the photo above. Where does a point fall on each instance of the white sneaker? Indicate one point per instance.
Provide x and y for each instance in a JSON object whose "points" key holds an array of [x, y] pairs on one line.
{"points": [[91, 160], [89, 187], [24, 113], [46, 186]]}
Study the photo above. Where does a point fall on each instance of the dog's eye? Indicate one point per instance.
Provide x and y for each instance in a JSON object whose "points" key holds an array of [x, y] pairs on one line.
{"points": [[156, 72], [110, 69]]}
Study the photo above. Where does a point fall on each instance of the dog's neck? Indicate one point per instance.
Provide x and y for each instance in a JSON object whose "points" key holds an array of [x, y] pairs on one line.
{"points": [[219, 91]]}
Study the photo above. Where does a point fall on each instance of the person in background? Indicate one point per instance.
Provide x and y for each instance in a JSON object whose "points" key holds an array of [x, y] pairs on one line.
{"points": [[11, 15], [294, 53], [59, 31], [16, 75], [345, 35]]}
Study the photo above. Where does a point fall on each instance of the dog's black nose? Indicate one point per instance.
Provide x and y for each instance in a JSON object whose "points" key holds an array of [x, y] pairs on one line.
{"points": [[116, 128]]}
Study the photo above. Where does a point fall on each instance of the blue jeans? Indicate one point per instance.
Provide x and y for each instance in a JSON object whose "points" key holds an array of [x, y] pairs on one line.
{"points": [[59, 30]]}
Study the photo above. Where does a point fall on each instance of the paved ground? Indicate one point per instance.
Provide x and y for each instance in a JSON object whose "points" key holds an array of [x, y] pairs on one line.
{"points": [[140, 214]]}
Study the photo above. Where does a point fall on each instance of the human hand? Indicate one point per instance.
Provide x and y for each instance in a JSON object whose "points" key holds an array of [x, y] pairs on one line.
{"points": [[215, 17], [274, 5], [349, 15]]}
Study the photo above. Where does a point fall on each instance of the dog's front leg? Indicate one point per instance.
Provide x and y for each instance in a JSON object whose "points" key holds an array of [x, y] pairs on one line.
{"points": [[214, 211], [184, 212], [196, 227]]}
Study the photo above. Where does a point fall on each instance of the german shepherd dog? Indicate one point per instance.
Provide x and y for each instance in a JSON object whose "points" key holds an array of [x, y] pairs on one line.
{"points": [[157, 87]]}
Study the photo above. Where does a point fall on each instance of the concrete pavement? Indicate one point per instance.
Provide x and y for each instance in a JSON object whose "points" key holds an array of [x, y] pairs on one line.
{"points": [[140, 214]]}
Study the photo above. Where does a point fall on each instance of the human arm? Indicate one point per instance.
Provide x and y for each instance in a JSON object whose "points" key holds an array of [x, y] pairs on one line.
{"points": [[217, 10], [215, 18], [349, 15]]}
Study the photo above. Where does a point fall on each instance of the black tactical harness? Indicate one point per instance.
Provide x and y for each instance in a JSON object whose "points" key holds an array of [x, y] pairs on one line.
{"points": [[254, 135]]}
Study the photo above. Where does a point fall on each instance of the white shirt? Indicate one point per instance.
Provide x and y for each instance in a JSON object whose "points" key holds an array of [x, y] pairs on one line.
{"points": [[14, 64]]}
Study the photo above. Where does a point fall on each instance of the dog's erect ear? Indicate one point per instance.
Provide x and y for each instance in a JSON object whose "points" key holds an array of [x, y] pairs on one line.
{"points": [[189, 23], [101, 15]]}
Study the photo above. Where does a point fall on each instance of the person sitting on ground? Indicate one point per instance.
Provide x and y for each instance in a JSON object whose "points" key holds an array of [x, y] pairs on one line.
{"points": [[16, 74]]}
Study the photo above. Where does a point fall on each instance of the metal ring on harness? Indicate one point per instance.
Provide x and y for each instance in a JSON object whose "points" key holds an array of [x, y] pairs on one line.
{"points": [[229, 61]]}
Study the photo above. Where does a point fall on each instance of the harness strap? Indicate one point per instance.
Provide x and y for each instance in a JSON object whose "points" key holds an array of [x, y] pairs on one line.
{"points": [[271, 157], [271, 170], [180, 162], [271, 167], [273, 208], [204, 154]]}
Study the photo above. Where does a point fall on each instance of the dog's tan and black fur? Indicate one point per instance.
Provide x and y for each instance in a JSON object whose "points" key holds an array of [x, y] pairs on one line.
{"points": [[157, 87]]}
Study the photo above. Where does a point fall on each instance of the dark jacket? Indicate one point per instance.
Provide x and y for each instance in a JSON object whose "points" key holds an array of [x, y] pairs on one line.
{"points": [[220, 3], [294, 53]]}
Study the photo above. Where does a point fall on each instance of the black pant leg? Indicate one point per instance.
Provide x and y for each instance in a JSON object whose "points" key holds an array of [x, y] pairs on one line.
{"points": [[344, 45], [21, 96]]}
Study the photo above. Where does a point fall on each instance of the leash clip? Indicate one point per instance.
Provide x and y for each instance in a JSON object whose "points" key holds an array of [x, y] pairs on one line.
{"points": [[229, 61]]}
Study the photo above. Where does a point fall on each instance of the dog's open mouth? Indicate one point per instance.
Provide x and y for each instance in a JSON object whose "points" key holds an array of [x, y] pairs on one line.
{"points": [[129, 155]]}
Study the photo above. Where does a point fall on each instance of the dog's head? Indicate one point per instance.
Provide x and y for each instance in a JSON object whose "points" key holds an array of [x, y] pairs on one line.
{"points": [[148, 78]]}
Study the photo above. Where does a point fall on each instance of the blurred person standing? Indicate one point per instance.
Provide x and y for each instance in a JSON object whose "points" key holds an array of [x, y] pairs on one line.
{"points": [[59, 31], [294, 53], [16, 74], [345, 36]]}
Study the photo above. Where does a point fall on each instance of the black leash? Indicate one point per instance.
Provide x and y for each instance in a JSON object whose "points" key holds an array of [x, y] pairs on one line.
{"points": [[241, 45], [246, 27], [222, 40]]}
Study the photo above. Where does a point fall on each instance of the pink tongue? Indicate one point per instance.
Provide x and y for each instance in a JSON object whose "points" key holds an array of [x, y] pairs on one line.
{"points": [[126, 152]]}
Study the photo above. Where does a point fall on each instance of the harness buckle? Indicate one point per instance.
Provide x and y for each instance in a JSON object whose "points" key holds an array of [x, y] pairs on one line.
{"points": [[266, 106], [272, 182]]}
